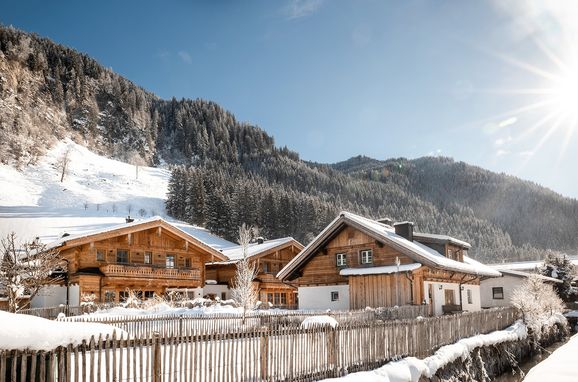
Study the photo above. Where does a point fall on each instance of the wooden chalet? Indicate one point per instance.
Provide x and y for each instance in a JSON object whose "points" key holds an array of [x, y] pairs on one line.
{"points": [[357, 262], [149, 256], [270, 257]]}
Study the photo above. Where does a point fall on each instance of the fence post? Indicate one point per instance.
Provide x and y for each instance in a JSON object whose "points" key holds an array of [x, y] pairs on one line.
{"points": [[156, 356], [332, 351], [264, 351]]}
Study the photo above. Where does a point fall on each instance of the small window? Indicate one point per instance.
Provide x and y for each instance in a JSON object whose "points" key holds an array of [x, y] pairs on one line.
{"points": [[148, 294], [122, 256], [187, 263], [100, 255], [148, 256], [109, 296], [498, 293], [366, 256], [267, 267], [223, 296], [283, 299], [123, 296], [470, 296], [334, 296], [341, 259], [270, 297], [170, 263]]}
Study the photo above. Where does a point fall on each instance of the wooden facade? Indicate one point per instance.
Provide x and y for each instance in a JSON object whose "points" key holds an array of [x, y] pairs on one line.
{"points": [[268, 262], [380, 269], [148, 258]]}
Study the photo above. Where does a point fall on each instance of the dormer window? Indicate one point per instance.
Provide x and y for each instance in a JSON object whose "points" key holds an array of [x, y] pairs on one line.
{"points": [[366, 256]]}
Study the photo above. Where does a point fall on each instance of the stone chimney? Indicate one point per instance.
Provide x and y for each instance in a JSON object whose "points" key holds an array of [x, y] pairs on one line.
{"points": [[260, 240], [404, 229], [128, 219]]}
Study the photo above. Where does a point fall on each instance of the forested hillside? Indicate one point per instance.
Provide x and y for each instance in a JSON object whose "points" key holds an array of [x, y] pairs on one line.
{"points": [[227, 172]]}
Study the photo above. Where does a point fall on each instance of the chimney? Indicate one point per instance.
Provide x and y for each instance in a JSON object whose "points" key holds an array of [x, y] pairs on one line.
{"points": [[404, 229], [386, 221], [260, 240], [129, 219]]}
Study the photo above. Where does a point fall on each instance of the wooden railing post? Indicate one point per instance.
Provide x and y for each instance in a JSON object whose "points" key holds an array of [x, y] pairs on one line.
{"points": [[264, 352], [156, 356]]}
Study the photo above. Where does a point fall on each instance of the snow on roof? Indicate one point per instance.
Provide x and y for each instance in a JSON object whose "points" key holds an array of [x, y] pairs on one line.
{"points": [[560, 366], [21, 331], [235, 253], [419, 252], [198, 233], [379, 270], [525, 274], [524, 265], [437, 237]]}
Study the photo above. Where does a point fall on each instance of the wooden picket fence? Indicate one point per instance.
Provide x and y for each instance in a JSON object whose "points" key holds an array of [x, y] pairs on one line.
{"points": [[271, 353], [191, 324]]}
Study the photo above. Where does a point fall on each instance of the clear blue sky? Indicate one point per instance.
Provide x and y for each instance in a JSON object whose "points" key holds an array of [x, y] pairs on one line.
{"points": [[334, 79]]}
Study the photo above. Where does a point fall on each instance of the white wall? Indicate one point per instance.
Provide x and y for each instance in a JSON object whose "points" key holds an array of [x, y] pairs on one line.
{"points": [[55, 295], [439, 297], [509, 283], [217, 289], [319, 297]]}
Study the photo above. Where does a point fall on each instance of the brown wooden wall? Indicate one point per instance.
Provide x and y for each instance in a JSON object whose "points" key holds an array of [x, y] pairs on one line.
{"points": [[379, 291], [322, 269]]}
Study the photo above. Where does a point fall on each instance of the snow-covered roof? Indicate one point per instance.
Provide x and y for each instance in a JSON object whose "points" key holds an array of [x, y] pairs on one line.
{"points": [[386, 234], [235, 253], [524, 265], [388, 269], [440, 238], [187, 231], [525, 274]]}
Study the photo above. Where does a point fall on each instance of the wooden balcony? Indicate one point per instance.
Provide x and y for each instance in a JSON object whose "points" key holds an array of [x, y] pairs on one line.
{"points": [[150, 272]]}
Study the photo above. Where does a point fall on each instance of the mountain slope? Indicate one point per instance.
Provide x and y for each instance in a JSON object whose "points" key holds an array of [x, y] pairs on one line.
{"points": [[230, 172]]}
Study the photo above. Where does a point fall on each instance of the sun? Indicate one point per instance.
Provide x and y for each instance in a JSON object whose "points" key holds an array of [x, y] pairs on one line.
{"points": [[564, 94]]}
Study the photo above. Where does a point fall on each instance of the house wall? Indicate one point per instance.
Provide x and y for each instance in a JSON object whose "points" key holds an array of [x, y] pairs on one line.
{"points": [[217, 290], [322, 268], [439, 295], [379, 291], [508, 283], [319, 297]]}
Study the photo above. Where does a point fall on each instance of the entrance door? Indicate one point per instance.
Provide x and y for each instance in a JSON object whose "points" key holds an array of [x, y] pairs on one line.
{"points": [[449, 295]]}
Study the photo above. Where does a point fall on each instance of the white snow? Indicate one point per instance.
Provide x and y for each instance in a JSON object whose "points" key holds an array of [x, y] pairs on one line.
{"points": [[96, 194], [21, 331], [164, 310], [560, 366], [315, 321], [410, 369], [235, 253], [379, 270]]}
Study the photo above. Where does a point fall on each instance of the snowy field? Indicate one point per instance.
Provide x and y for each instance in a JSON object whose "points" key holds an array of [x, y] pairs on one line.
{"points": [[97, 193]]}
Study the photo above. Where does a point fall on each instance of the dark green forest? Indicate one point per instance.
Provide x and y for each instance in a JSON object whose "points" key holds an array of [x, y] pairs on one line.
{"points": [[226, 172]]}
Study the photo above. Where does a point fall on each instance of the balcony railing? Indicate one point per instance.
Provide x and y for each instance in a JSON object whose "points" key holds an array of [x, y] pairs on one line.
{"points": [[147, 271]]}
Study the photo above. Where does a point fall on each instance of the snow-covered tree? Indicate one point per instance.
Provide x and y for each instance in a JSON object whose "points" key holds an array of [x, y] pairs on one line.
{"points": [[244, 292], [25, 268], [559, 266], [537, 301]]}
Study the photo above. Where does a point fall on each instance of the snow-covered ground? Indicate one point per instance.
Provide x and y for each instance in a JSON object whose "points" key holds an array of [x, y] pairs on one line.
{"points": [[410, 369], [97, 193], [20, 331], [560, 366]]}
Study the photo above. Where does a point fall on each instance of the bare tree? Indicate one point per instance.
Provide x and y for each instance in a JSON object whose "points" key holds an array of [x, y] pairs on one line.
{"points": [[25, 268], [135, 159], [63, 162], [244, 292], [142, 212]]}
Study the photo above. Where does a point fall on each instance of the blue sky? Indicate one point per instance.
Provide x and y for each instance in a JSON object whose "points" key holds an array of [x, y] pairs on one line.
{"points": [[483, 82]]}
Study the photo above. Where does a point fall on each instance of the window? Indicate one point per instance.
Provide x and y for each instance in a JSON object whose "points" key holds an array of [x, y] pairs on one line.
{"points": [[99, 255], [267, 267], [283, 299], [366, 256], [341, 259], [334, 296], [148, 294], [277, 299], [187, 263], [498, 293], [270, 297], [170, 263], [123, 296], [223, 296], [122, 256], [470, 296], [148, 256], [109, 296]]}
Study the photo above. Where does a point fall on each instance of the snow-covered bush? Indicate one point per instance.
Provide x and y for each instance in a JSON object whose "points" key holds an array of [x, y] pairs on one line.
{"points": [[559, 266], [539, 304], [88, 302]]}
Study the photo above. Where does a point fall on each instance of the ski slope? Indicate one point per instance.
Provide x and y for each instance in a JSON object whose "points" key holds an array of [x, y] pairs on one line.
{"points": [[96, 193]]}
